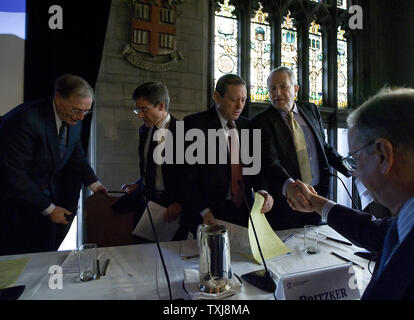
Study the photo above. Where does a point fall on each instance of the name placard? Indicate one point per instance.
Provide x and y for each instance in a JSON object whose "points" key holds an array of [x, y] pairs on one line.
{"points": [[328, 283]]}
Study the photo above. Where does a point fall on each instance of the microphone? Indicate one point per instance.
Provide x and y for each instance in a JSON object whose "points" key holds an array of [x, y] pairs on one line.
{"points": [[154, 232], [346, 189], [265, 278]]}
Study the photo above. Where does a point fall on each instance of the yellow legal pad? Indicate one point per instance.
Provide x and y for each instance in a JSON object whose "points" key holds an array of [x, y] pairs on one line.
{"points": [[10, 271], [270, 243]]}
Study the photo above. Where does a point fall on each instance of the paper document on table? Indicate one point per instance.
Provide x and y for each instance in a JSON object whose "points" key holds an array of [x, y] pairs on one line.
{"points": [[242, 239], [10, 271], [238, 237], [165, 230], [270, 243]]}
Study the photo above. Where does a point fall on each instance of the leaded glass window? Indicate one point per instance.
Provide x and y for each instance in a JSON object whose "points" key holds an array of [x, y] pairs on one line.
{"points": [[225, 41], [289, 44], [315, 65], [260, 55], [341, 4], [342, 69]]}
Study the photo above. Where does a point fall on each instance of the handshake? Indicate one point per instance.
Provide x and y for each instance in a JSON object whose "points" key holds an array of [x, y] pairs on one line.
{"points": [[303, 197]]}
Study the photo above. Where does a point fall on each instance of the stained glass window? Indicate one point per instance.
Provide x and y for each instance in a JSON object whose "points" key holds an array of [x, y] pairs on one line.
{"points": [[260, 50], [341, 4], [289, 48], [225, 41], [315, 64], [342, 69]]}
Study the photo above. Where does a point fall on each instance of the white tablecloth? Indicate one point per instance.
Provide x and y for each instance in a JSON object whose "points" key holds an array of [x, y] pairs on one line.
{"points": [[135, 272]]}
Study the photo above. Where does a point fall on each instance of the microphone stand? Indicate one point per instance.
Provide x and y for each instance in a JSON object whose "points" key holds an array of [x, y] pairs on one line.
{"points": [[156, 240], [265, 278]]}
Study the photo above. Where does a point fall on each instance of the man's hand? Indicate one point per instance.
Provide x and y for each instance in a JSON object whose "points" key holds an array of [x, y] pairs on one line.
{"points": [[128, 188], [101, 189], [316, 202], [297, 200], [268, 201], [208, 218], [58, 215], [172, 212]]}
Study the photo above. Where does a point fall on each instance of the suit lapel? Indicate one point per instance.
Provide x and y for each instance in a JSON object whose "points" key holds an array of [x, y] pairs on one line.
{"points": [[51, 133], [284, 139], [143, 131]]}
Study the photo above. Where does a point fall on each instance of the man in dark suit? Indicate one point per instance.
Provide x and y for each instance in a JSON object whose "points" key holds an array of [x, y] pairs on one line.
{"points": [[40, 140], [217, 190], [160, 182], [382, 157], [289, 154]]}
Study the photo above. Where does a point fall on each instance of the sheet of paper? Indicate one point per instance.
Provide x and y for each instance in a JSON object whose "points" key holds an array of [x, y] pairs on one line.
{"points": [[10, 271], [270, 243], [165, 230], [238, 236]]}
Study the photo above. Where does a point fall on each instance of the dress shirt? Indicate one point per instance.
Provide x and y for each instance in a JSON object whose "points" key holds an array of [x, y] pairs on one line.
{"points": [[159, 180], [310, 146]]}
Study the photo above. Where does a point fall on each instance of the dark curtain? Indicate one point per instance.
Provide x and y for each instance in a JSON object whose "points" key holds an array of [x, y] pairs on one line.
{"points": [[76, 48]]}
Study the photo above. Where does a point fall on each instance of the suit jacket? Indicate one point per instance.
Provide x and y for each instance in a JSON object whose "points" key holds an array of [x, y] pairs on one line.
{"points": [[396, 281], [171, 172], [30, 173], [280, 162], [207, 184]]}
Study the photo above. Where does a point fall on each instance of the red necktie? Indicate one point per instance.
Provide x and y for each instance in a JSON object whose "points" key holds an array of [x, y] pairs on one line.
{"points": [[237, 187]]}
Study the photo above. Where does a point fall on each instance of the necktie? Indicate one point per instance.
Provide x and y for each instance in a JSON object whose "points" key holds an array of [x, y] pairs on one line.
{"points": [[391, 239], [151, 166], [62, 140], [301, 150], [237, 187]]}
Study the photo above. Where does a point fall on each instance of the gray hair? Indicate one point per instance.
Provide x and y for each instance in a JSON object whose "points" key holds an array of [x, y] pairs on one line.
{"points": [[154, 92], [389, 114], [69, 84], [281, 69]]}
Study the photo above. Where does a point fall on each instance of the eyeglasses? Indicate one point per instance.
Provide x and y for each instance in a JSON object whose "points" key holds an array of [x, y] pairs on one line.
{"points": [[80, 111], [141, 110], [349, 161]]}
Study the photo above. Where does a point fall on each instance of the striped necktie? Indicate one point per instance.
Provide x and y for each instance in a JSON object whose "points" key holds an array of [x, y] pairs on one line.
{"points": [[301, 149], [62, 139], [391, 239], [237, 187]]}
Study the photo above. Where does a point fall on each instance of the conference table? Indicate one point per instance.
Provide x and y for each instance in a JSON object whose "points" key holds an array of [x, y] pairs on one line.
{"points": [[135, 272]]}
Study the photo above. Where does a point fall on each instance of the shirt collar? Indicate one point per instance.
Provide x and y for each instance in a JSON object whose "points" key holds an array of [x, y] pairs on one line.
{"points": [[405, 219], [164, 124], [294, 109], [223, 120], [57, 118]]}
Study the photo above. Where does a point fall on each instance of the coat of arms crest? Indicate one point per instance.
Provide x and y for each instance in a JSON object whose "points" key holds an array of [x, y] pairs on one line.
{"points": [[153, 32]]}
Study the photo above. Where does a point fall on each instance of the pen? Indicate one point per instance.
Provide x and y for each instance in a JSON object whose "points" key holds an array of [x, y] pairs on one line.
{"points": [[339, 241], [290, 236], [105, 266], [347, 260]]}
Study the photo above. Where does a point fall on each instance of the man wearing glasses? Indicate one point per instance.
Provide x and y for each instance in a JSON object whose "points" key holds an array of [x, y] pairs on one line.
{"points": [[159, 182], [382, 157], [41, 160]]}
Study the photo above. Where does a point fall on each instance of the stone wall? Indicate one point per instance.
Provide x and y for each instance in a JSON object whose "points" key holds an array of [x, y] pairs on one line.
{"points": [[114, 138]]}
